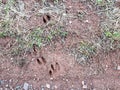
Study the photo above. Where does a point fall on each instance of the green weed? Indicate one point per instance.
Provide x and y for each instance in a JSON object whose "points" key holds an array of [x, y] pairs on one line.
{"points": [[83, 52], [63, 34], [114, 35], [5, 24], [41, 37], [86, 49], [36, 37], [56, 1], [99, 1], [3, 34]]}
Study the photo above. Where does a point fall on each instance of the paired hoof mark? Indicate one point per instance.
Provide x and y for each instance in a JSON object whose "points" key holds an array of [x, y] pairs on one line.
{"points": [[50, 73], [57, 66], [38, 61], [41, 60], [46, 18], [54, 69]]}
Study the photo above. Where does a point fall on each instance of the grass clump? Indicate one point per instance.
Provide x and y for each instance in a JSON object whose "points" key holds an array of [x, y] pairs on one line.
{"points": [[99, 2], [86, 48], [2, 35], [42, 37], [109, 39], [114, 35], [35, 37], [84, 52]]}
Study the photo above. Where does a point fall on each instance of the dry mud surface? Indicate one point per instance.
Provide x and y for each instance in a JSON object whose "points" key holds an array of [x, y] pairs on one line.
{"points": [[58, 65]]}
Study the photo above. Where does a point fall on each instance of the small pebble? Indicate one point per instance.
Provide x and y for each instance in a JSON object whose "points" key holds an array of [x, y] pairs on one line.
{"points": [[6, 85], [70, 6], [83, 82], [70, 22], [118, 67], [66, 80], [64, 14], [84, 86], [42, 88], [10, 80], [17, 87], [26, 85], [55, 87], [51, 78], [48, 85]]}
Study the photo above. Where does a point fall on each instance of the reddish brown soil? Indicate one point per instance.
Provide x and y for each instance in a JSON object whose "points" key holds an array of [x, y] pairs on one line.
{"points": [[55, 66]]}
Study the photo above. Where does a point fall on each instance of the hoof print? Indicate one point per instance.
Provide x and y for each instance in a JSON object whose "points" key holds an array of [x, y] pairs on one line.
{"points": [[41, 60], [38, 61], [57, 66], [50, 73], [46, 18], [54, 68]]}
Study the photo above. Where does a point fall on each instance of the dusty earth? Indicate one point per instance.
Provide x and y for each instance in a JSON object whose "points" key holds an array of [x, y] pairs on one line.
{"points": [[58, 65]]}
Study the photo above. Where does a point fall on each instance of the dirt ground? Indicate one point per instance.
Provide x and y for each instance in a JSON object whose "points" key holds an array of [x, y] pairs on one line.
{"points": [[76, 51]]}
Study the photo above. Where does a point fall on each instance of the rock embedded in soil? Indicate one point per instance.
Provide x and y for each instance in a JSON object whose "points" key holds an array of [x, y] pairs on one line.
{"points": [[84, 86], [6, 85], [42, 87], [47, 85], [118, 67], [26, 85]]}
